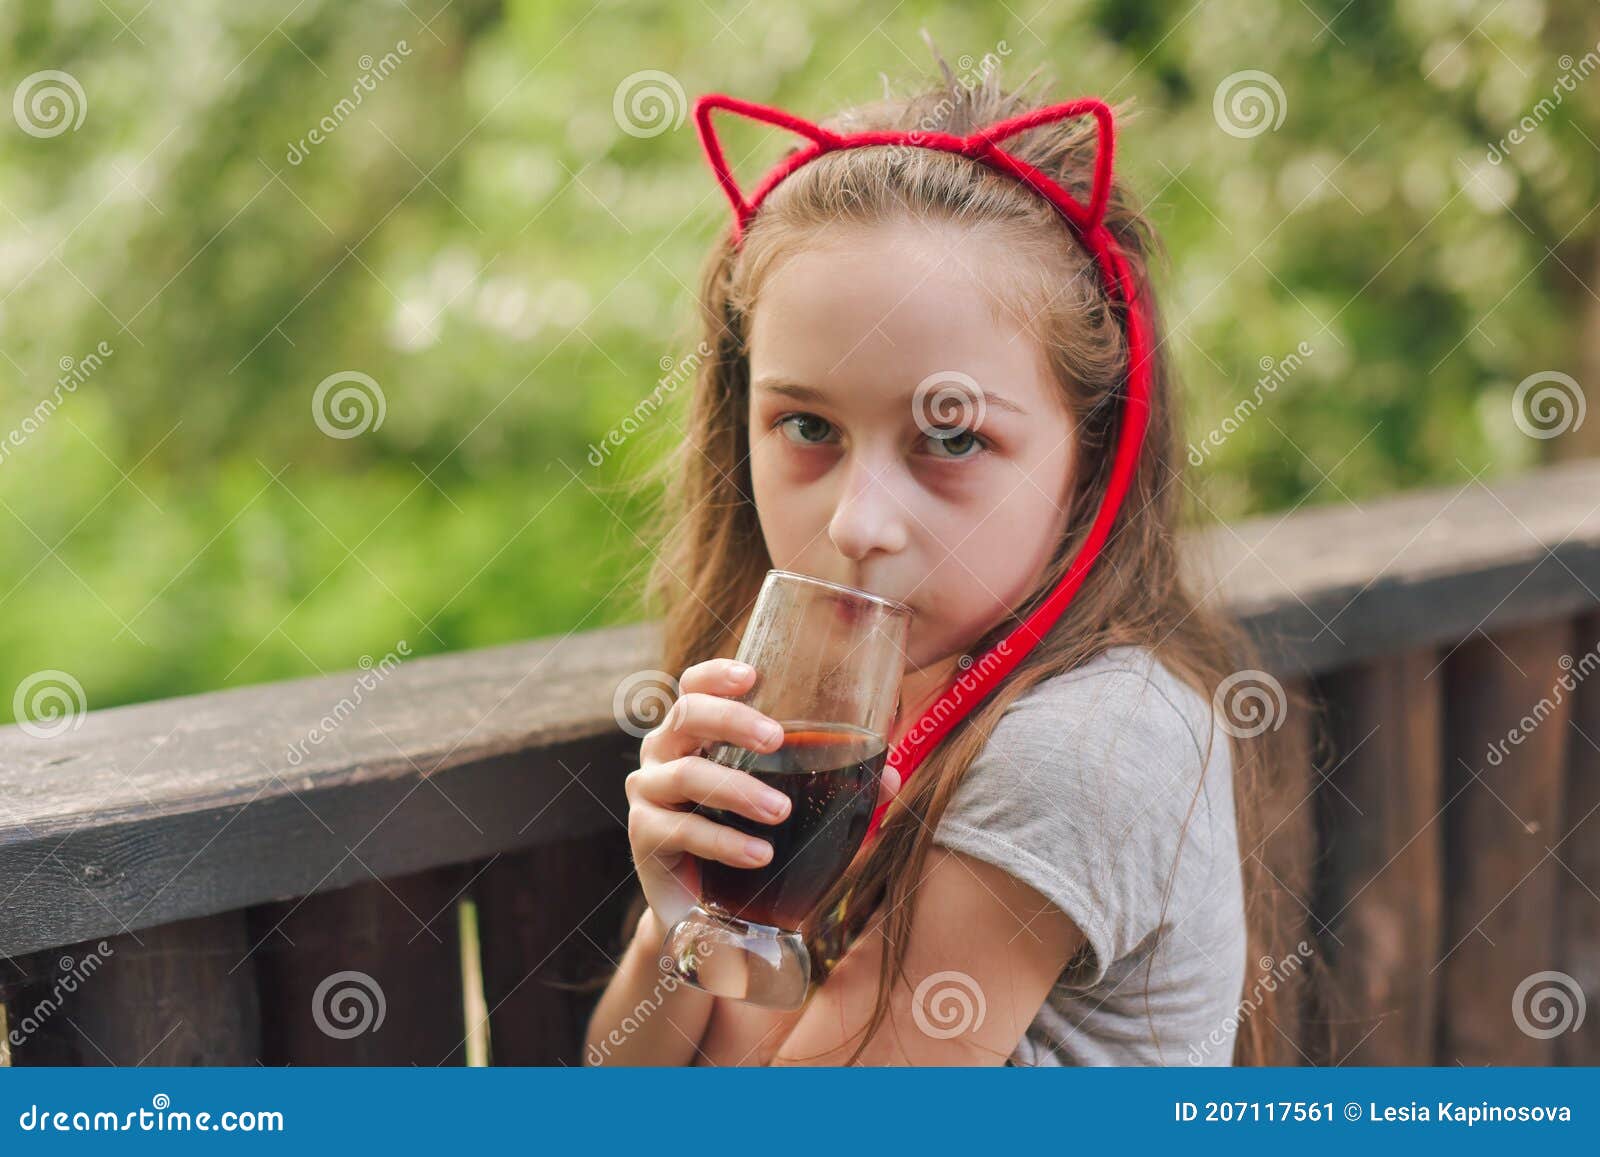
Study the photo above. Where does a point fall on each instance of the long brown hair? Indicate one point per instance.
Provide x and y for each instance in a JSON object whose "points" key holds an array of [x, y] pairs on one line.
{"points": [[713, 556]]}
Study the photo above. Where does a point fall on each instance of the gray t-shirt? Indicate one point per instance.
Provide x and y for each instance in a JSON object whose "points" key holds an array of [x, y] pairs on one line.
{"points": [[1088, 789]]}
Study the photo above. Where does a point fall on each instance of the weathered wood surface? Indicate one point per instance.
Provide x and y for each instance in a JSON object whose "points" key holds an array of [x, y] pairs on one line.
{"points": [[191, 806], [366, 975], [1502, 816], [1382, 864], [1578, 912], [551, 924], [1332, 585], [180, 994]]}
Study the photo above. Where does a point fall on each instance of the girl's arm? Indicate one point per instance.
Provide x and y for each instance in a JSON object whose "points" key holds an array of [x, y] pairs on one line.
{"points": [[646, 1017], [984, 952]]}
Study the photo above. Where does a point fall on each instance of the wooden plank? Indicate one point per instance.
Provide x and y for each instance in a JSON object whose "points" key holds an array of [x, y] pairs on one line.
{"points": [[1506, 736], [1329, 586], [1382, 891], [365, 975], [107, 877], [550, 927], [229, 748], [176, 994], [1579, 913]]}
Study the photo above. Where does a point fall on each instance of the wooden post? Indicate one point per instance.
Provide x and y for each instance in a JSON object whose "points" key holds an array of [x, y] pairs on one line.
{"points": [[1381, 896], [366, 975], [1506, 741], [1579, 913], [168, 995], [550, 922]]}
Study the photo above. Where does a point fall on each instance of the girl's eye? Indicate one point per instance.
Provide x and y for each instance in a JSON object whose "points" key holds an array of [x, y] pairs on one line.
{"points": [[811, 421], [952, 443], [956, 443]]}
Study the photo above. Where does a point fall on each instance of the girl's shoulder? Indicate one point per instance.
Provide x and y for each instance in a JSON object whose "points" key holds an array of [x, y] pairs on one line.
{"points": [[1118, 736], [1088, 788], [1124, 687]]}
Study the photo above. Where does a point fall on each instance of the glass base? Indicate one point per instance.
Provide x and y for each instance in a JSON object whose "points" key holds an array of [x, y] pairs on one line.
{"points": [[735, 958]]}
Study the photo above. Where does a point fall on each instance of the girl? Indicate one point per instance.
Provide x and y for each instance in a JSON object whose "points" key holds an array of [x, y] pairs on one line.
{"points": [[915, 385]]}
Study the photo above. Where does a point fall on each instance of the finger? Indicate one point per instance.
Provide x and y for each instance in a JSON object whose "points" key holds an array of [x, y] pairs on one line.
{"points": [[697, 718], [888, 786], [694, 779], [718, 677], [655, 831]]}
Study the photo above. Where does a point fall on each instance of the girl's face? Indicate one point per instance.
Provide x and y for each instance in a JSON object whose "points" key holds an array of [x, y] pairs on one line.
{"points": [[950, 497]]}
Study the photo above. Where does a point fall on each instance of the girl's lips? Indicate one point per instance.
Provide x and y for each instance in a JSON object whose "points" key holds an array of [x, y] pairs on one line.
{"points": [[850, 610], [846, 608]]}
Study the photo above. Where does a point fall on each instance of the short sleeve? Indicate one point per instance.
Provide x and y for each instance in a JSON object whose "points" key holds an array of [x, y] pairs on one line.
{"points": [[1089, 787]]}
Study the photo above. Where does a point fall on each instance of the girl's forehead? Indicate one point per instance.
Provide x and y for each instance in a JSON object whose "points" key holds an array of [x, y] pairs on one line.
{"points": [[871, 320]]}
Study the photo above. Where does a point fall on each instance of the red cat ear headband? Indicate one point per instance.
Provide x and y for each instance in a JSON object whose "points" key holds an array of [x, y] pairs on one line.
{"points": [[1088, 225]]}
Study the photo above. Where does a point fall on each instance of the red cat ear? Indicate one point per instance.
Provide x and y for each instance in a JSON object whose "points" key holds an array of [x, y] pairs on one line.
{"points": [[703, 108], [1086, 216]]}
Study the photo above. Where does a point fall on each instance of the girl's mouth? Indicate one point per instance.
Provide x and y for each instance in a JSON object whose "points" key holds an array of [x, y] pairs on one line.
{"points": [[853, 610], [849, 610]]}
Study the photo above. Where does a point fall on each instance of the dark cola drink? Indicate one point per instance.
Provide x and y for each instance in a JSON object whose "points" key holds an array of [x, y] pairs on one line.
{"points": [[830, 774]]}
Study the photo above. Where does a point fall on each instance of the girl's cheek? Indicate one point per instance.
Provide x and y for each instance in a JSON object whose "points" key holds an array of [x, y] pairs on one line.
{"points": [[960, 495], [800, 465]]}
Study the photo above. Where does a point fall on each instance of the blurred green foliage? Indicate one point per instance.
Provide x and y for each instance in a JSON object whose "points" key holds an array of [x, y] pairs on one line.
{"points": [[484, 238]]}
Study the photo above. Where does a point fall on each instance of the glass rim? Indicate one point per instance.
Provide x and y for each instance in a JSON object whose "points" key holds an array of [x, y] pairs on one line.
{"points": [[894, 605]]}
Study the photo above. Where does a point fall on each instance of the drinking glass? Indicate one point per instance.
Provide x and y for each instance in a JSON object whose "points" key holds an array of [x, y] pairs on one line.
{"points": [[829, 661]]}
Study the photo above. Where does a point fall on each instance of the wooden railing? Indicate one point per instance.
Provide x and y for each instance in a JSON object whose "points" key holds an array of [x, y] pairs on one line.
{"points": [[224, 878]]}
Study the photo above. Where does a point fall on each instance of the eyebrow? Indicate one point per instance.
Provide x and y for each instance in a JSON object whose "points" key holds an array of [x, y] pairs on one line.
{"points": [[803, 393]]}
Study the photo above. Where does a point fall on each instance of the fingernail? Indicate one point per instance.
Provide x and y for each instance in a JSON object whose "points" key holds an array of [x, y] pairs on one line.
{"points": [[774, 802], [756, 849], [741, 670], [771, 732]]}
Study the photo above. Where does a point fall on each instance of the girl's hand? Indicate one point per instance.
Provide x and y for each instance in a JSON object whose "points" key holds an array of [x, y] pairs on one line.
{"points": [[673, 777]]}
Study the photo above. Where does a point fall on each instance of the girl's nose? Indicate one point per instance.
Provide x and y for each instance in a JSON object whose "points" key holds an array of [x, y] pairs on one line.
{"points": [[869, 516]]}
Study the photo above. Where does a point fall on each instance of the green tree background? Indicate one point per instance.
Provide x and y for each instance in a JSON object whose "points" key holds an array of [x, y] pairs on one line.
{"points": [[484, 238]]}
